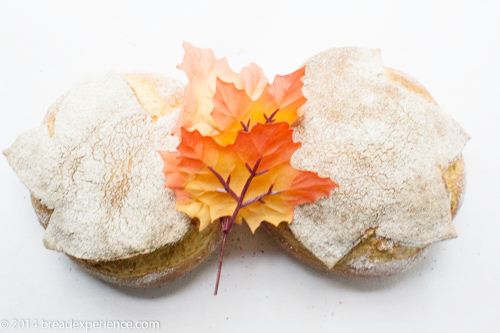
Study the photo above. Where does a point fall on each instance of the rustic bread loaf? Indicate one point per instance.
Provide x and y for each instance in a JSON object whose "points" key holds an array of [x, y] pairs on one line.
{"points": [[97, 184], [396, 156]]}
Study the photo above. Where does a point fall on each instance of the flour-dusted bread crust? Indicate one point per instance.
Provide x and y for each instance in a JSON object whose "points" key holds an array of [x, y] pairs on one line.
{"points": [[97, 183], [373, 255], [396, 156]]}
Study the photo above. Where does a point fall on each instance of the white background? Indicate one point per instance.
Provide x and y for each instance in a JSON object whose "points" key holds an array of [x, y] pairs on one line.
{"points": [[452, 47]]}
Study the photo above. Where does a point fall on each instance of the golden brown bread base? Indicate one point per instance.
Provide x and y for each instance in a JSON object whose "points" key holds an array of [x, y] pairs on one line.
{"points": [[165, 264], [151, 269], [159, 97], [381, 256]]}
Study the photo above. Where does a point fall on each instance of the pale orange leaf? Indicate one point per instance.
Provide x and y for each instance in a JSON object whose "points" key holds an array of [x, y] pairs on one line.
{"points": [[234, 110], [202, 70]]}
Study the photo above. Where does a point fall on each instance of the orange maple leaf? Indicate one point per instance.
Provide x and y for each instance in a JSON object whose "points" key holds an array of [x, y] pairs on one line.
{"points": [[234, 110], [202, 70], [250, 178]]}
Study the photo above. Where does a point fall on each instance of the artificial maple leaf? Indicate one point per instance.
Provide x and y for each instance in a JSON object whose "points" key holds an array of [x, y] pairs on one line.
{"points": [[234, 110], [217, 181], [232, 162], [202, 69]]}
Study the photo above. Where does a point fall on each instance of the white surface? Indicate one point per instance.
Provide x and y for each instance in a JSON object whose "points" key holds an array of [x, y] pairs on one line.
{"points": [[451, 47]]}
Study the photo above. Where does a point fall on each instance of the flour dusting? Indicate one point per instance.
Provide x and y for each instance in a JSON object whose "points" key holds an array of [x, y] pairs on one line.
{"points": [[384, 145], [101, 174]]}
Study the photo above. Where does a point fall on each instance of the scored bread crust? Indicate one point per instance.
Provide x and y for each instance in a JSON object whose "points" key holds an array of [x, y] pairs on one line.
{"points": [[159, 96], [376, 256]]}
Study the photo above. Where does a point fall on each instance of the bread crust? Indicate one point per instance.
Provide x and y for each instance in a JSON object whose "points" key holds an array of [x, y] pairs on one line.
{"points": [[159, 97], [381, 256], [376, 256]]}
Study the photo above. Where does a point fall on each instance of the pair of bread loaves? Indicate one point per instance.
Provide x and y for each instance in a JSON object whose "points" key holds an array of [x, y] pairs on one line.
{"points": [[98, 189]]}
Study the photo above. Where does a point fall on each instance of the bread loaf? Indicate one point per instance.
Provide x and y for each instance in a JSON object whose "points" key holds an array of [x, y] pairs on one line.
{"points": [[97, 184], [397, 159]]}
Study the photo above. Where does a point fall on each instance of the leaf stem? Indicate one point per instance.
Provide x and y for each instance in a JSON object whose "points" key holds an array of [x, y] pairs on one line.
{"points": [[228, 222], [270, 119], [246, 127], [224, 223], [261, 197], [224, 183]]}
